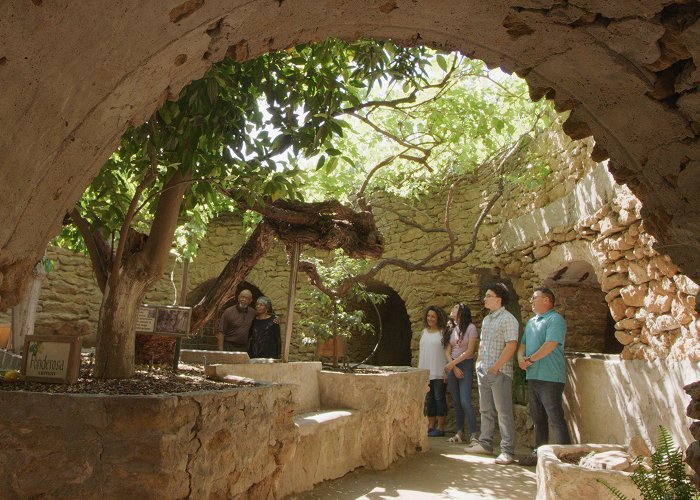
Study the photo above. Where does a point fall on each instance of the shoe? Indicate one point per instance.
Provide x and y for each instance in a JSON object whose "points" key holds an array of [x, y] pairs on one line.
{"points": [[505, 459], [457, 438], [477, 447], [433, 433], [430, 429], [528, 460]]}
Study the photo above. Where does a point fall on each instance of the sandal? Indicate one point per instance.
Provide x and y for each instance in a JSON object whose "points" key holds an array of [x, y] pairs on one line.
{"points": [[457, 438]]}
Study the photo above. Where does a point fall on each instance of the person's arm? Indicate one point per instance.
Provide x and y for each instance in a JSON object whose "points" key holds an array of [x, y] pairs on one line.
{"points": [[521, 356], [277, 335], [506, 354], [540, 353], [465, 355]]}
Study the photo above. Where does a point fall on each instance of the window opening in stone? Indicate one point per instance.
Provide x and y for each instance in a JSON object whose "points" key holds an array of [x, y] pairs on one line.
{"points": [[589, 325]]}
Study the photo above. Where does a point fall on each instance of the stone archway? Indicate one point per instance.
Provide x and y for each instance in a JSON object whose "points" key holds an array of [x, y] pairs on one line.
{"points": [[75, 76], [589, 324], [394, 347]]}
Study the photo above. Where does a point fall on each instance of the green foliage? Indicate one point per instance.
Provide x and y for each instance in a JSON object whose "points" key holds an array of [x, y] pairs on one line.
{"points": [[464, 116], [666, 479], [326, 314], [242, 127]]}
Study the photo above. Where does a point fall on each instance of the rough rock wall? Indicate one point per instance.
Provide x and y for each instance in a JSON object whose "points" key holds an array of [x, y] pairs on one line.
{"points": [[177, 446], [626, 70]]}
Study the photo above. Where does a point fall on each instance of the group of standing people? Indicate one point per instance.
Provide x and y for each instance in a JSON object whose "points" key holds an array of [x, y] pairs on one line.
{"points": [[254, 330], [447, 350]]}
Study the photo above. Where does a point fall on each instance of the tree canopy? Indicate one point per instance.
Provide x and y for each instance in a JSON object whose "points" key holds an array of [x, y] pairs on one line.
{"points": [[314, 122]]}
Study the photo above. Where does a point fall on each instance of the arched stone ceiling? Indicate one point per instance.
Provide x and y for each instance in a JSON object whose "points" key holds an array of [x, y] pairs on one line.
{"points": [[73, 75]]}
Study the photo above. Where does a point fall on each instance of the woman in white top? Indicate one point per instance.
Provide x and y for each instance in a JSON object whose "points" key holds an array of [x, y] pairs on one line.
{"points": [[431, 357], [459, 353]]}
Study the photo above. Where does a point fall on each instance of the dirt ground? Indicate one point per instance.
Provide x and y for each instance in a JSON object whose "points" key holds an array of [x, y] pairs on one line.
{"points": [[444, 471]]}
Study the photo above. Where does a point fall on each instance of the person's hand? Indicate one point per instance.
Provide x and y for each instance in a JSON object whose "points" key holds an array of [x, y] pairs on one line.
{"points": [[449, 367], [458, 373], [493, 370], [524, 365], [276, 320]]}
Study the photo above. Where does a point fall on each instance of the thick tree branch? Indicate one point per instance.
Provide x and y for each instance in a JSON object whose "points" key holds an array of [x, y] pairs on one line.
{"points": [[233, 274], [98, 249]]}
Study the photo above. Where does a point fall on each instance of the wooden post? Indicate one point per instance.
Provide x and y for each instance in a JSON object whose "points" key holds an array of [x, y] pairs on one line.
{"points": [[291, 300]]}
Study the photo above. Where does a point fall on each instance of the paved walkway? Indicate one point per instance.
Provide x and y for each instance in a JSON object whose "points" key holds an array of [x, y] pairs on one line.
{"points": [[443, 472]]}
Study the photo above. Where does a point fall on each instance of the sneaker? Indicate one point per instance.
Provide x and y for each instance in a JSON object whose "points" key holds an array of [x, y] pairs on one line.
{"points": [[433, 433], [505, 459], [529, 460], [430, 429], [477, 447]]}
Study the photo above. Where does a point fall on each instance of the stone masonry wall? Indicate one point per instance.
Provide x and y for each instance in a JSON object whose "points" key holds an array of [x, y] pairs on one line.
{"points": [[578, 215]]}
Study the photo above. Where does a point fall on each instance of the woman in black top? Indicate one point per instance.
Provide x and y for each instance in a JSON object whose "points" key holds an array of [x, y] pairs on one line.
{"points": [[265, 340]]}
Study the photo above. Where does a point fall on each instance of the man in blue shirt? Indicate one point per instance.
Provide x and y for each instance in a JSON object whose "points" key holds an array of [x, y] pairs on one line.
{"points": [[541, 355]]}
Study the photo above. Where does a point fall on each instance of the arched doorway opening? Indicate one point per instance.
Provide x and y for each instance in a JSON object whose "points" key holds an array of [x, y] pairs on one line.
{"points": [[579, 298], [205, 339], [394, 347]]}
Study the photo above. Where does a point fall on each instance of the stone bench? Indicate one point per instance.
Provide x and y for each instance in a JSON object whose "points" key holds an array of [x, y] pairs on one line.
{"points": [[329, 447]]}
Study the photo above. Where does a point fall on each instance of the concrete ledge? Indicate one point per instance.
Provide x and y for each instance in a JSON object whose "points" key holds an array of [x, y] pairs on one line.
{"points": [[301, 376], [210, 357]]}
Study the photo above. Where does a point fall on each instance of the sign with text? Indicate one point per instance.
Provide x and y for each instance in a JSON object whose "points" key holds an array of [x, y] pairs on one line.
{"points": [[51, 358], [163, 320]]}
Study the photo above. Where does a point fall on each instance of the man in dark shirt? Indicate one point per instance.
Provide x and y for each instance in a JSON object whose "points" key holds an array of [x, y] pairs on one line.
{"points": [[236, 321]]}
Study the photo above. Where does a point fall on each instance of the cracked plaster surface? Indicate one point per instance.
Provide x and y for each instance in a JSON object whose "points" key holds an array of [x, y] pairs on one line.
{"points": [[74, 76]]}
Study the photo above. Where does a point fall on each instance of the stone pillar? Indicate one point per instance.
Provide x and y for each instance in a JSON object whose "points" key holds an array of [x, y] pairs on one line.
{"points": [[692, 454]]}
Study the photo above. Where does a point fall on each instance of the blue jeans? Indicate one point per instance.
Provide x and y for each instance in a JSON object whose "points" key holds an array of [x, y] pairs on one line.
{"points": [[496, 401], [544, 400], [461, 391], [435, 402]]}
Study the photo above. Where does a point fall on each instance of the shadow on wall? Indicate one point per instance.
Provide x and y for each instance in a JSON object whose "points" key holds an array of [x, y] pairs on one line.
{"points": [[608, 400], [391, 315]]}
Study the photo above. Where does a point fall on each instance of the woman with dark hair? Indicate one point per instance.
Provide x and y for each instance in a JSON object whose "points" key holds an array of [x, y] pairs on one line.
{"points": [[265, 340], [460, 346], [431, 357]]}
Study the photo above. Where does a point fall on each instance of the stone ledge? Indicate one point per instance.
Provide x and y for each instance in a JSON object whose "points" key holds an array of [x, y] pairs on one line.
{"points": [[210, 357], [557, 479]]}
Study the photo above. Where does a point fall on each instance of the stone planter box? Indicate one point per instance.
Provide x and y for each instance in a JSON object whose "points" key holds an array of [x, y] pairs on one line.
{"points": [[558, 479], [248, 442], [214, 444], [391, 403]]}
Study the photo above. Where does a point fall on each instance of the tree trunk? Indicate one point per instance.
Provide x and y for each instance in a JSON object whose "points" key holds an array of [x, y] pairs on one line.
{"points": [[114, 353], [138, 265], [24, 313]]}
